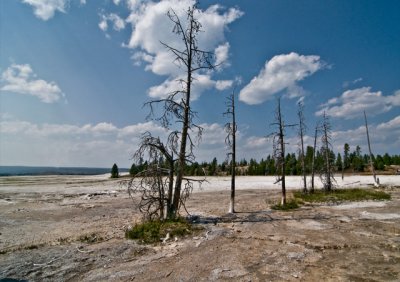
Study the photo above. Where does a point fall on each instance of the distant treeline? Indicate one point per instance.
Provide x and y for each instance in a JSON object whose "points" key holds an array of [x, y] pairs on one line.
{"points": [[349, 162], [32, 170]]}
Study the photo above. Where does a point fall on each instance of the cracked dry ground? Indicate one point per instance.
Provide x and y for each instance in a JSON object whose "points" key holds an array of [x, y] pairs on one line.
{"points": [[80, 237]]}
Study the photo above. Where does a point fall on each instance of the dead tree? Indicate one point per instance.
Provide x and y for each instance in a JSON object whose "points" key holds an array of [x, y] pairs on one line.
{"points": [[176, 106], [154, 184], [302, 130], [279, 148], [371, 163], [313, 157], [327, 177], [230, 140]]}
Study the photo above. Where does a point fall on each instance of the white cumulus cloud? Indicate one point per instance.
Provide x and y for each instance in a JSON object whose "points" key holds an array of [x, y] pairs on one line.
{"points": [[201, 83], [117, 22], [282, 72], [385, 137], [71, 145], [45, 9], [21, 79], [150, 26], [352, 103]]}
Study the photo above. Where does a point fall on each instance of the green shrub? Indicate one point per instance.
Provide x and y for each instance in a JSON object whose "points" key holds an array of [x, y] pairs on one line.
{"points": [[290, 205], [339, 195], [154, 231]]}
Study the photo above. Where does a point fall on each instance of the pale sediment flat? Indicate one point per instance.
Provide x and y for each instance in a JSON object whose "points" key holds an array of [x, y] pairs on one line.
{"points": [[71, 228], [70, 184]]}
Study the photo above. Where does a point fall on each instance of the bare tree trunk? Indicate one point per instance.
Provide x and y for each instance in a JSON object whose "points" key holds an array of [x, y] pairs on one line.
{"points": [[182, 150], [371, 163], [170, 186], [233, 173], [313, 159], [302, 129], [326, 130], [343, 168], [230, 140], [282, 153], [279, 148]]}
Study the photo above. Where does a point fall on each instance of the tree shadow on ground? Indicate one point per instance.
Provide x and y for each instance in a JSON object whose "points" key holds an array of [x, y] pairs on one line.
{"points": [[254, 217]]}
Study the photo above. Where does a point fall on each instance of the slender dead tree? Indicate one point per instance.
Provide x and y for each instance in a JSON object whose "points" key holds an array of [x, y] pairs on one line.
{"points": [[279, 148], [193, 59], [177, 115], [302, 130], [313, 157], [326, 173], [230, 140], [371, 163]]}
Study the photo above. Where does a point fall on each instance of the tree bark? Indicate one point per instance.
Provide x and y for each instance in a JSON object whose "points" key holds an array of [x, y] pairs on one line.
{"points": [[233, 173], [282, 153]]}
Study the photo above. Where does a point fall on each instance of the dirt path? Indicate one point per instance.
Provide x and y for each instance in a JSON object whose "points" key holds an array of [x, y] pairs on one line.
{"points": [[80, 237]]}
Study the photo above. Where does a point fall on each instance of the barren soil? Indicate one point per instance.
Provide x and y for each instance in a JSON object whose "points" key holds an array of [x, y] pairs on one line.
{"points": [[77, 234]]}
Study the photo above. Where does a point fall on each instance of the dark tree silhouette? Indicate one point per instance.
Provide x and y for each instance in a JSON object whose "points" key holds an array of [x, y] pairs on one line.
{"points": [[114, 171]]}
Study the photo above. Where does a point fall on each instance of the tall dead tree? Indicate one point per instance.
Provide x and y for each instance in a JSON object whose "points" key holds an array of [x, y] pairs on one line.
{"points": [[279, 148], [327, 172], [313, 157], [371, 162], [302, 130], [177, 114], [230, 140]]}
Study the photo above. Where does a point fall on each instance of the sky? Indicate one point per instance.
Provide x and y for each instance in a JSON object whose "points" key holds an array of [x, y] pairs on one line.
{"points": [[75, 74]]}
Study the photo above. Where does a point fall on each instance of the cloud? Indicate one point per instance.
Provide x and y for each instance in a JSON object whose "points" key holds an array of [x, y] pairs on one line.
{"points": [[393, 124], [352, 103], [150, 26], [45, 9], [282, 72], [223, 84], [201, 83], [385, 137], [21, 79], [103, 25], [349, 83], [74, 145], [97, 145], [117, 22], [221, 56]]}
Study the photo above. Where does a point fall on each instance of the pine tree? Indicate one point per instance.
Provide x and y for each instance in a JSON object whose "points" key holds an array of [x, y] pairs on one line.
{"points": [[114, 171]]}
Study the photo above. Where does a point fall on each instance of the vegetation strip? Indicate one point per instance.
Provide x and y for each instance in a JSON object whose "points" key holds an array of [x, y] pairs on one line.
{"points": [[338, 195]]}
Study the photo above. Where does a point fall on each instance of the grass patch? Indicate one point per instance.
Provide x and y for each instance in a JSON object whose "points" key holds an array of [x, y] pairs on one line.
{"points": [[341, 195], [290, 205], [152, 231], [90, 238]]}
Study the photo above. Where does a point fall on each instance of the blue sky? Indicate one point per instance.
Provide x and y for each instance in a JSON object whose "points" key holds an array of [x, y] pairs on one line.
{"points": [[75, 74]]}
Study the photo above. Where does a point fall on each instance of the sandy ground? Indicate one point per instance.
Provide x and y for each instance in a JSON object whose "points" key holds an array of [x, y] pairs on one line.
{"points": [[71, 228]]}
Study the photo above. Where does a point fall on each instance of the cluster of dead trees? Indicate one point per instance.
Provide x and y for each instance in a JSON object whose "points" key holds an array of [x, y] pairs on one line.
{"points": [[162, 184]]}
